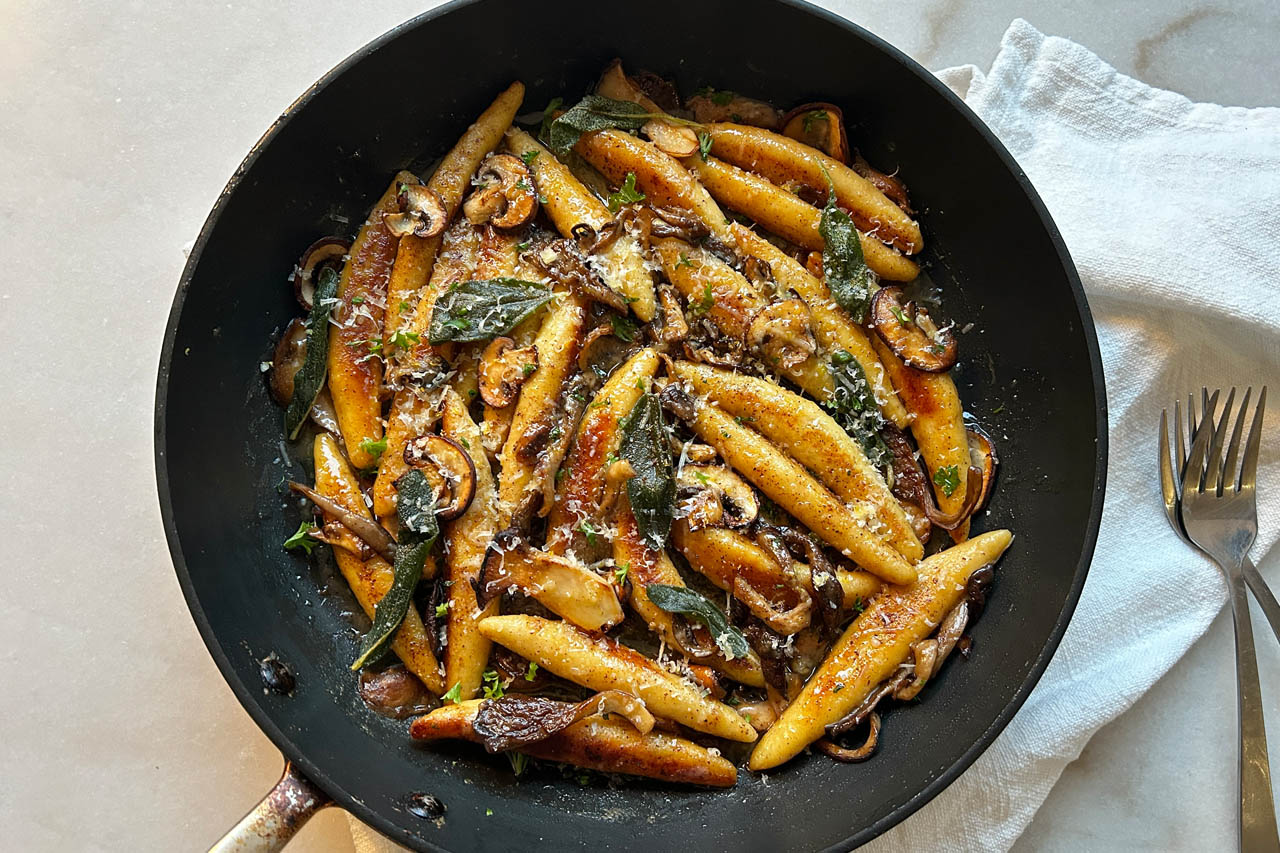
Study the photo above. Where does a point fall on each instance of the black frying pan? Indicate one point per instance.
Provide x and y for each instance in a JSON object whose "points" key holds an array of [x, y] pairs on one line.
{"points": [[1030, 371]]}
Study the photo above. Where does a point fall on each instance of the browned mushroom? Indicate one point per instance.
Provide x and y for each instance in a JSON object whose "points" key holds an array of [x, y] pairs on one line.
{"points": [[506, 196], [782, 333], [512, 722], [670, 138], [911, 485], [503, 369], [907, 330], [325, 252], [563, 586], [363, 526], [831, 749], [736, 502], [394, 692], [821, 126], [563, 262], [616, 477], [982, 455], [290, 353], [722, 105], [421, 213], [673, 327], [449, 470], [890, 185]]}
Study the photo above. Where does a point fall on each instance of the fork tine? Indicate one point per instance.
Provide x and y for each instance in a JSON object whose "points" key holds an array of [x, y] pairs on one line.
{"points": [[1249, 467], [1168, 484], [1195, 461], [1213, 472], [1229, 474], [1181, 458]]}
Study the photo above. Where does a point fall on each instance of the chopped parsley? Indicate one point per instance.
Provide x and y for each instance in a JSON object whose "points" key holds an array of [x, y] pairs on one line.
{"points": [[589, 531], [519, 762], [357, 300], [374, 448], [403, 339], [492, 685], [626, 194], [623, 328], [948, 479], [529, 156], [454, 695], [442, 610], [300, 539], [528, 369], [532, 673], [684, 261], [404, 306], [900, 317], [721, 98], [620, 573], [704, 145]]}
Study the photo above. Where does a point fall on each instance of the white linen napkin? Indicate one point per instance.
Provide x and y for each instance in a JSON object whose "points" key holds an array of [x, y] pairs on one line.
{"points": [[1171, 211]]}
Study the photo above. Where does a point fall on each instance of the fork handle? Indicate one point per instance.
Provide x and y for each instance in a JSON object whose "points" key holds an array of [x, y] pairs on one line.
{"points": [[1262, 592], [1258, 832]]}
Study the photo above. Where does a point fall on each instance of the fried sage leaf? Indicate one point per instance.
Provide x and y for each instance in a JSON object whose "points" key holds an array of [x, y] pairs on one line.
{"points": [[310, 377], [853, 405], [594, 112], [415, 508], [843, 266], [688, 602], [653, 489], [481, 310]]}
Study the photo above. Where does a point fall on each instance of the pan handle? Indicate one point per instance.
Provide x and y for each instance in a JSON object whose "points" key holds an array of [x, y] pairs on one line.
{"points": [[273, 822]]}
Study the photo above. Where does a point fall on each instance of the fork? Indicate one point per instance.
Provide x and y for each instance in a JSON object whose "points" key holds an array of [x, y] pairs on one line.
{"points": [[1171, 486], [1218, 510]]}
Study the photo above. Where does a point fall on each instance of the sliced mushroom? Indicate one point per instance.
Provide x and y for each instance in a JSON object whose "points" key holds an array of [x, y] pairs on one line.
{"points": [[506, 196], [449, 470], [830, 748], [513, 722], [563, 586], [907, 330], [421, 214], [890, 185], [738, 504], [394, 692], [699, 509], [783, 334], [325, 252], [673, 325], [982, 455], [677, 401], [616, 477], [677, 222], [563, 262], [574, 404], [723, 105], [324, 415], [761, 715], [602, 351], [698, 453], [821, 126], [503, 369], [363, 526], [290, 353], [335, 534], [669, 138], [786, 622]]}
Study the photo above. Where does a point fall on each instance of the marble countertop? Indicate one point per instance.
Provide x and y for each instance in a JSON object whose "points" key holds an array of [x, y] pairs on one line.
{"points": [[121, 123]]}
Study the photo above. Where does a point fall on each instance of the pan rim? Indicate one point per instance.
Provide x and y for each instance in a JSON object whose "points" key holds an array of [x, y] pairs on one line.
{"points": [[248, 698]]}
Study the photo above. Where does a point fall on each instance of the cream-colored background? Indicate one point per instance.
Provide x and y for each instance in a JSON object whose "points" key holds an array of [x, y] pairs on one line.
{"points": [[119, 123]]}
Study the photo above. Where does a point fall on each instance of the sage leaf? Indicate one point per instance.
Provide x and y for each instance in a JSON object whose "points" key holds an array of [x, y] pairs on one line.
{"points": [[419, 529], [688, 602], [594, 112], [653, 489], [310, 377], [843, 267], [482, 310], [854, 407]]}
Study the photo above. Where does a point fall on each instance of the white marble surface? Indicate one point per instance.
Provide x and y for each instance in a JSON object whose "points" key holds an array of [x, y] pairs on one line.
{"points": [[119, 123]]}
